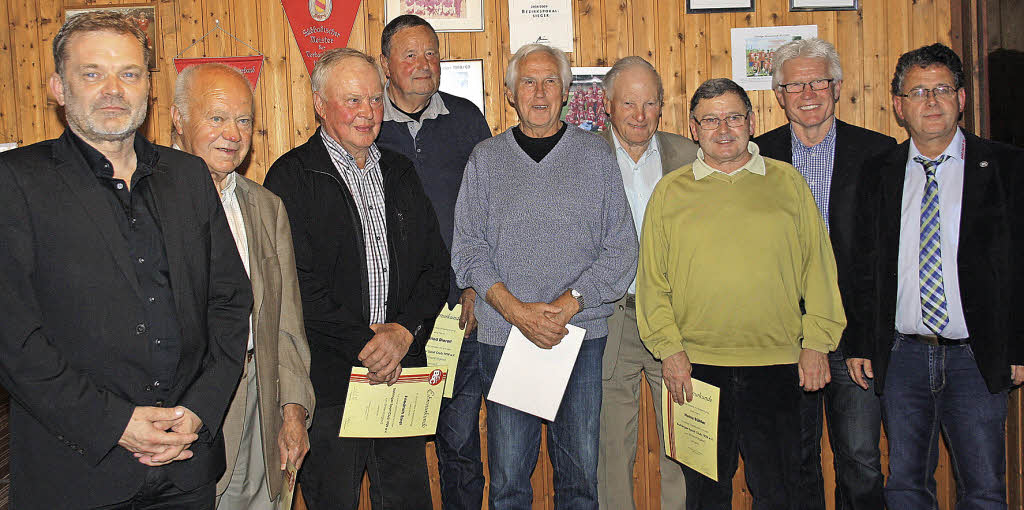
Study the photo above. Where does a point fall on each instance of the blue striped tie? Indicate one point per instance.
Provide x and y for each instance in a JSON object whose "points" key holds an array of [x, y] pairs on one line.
{"points": [[933, 296]]}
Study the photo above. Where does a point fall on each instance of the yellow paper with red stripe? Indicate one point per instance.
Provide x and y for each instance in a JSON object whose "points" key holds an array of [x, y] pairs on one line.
{"points": [[407, 408]]}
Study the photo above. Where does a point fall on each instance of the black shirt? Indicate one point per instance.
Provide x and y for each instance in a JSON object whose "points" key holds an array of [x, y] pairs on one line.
{"points": [[537, 148], [414, 116], [139, 225]]}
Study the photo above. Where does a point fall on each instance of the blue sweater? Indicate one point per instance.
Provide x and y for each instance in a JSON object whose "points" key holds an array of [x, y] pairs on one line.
{"points": [[543, 228], [439, 154]]}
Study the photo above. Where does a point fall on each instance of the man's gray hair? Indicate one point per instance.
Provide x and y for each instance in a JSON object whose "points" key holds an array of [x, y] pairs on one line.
{"points": [[564, 68], [183, 83], [608, 83], [332, 58], [807, 48]]}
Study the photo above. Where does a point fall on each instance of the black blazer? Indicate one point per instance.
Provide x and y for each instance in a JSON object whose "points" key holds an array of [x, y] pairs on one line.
{"points": [[988, 264], [69, 352], [853, 146], [330, 260]]}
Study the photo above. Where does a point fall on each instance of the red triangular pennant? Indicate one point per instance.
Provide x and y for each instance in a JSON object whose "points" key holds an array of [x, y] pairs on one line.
{"points": [[249, 66], [320, 25]]}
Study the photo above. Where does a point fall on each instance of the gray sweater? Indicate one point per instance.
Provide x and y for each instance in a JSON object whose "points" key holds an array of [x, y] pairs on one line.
{"points": [[543, 228]]}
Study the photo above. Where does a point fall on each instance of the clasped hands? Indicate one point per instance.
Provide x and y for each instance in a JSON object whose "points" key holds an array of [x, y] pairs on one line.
{"points": [[161, 435], [383, 354], [542, 323]]}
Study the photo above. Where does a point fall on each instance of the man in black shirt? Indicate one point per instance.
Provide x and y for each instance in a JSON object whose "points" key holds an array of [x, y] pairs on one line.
{"points": [[126, 304]]}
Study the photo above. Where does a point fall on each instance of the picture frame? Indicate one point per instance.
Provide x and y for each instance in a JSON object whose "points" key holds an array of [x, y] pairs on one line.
{"points": [[585, 106], [823, 5], [145, 16], [703, 6], [753, 51], [443, 15], [464, 78]]}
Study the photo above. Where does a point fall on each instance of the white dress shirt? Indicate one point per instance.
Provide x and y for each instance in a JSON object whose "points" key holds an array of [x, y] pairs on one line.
{"points": [[639, 179], [950, 176], [233, 211]]}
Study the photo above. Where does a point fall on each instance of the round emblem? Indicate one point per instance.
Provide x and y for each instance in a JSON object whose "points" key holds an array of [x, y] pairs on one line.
{"points": [[320, 10], [435, 377]]}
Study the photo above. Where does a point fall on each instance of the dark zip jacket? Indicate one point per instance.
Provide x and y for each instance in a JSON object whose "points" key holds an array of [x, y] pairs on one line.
{"points": [[331, 260]]}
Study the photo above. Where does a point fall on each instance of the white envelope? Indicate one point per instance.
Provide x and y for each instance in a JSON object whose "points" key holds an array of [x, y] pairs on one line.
{"points": [[532, 379]]}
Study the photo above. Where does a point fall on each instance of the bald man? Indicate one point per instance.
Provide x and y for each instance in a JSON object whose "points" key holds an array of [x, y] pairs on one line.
{"points": [[213, 119]]}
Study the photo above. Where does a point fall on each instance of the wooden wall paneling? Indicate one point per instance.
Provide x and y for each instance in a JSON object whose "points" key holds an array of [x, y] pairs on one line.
{"points": [[491, 49], [51, 17], [898, 42], [9, 111], [922, 31], [162, 88], [720, 44], [28, 73], [876, 102], [246, 21], [771, 114], [618, 29], [695, 43], [460, 45], [747, 20], [276, 116], [669, 58], [850, 33], [509, 117], [375, 26], [358, 37], [589, 40], [543, 485]]}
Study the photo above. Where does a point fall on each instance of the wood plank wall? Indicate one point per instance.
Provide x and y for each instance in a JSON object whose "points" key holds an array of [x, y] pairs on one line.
{"points": [[686, 49]]}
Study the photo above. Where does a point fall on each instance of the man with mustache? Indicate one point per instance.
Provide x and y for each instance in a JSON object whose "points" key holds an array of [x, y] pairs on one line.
{"points": [[437, 131], [126, 306], [737, 287], [829, 154], [266, 424]]}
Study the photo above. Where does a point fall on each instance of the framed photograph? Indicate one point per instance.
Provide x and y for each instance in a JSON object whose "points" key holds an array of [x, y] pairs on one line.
{"points": [[585, 107], [823, 5], [143, 14], [464, 78], [443, 15], [701, 6], [540, 21], [753, 49]]}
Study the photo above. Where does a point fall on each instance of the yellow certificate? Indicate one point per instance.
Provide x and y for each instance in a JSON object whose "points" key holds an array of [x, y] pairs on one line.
{"points": [[445, 344], [407, 408], [691, 430], [288, 491]]}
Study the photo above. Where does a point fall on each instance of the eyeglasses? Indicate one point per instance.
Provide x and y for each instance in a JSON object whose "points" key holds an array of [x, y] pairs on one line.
{"points": [[921, 93], [712, 123], [798, 86]]}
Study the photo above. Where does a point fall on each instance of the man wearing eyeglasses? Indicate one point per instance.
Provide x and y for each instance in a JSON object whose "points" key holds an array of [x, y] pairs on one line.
{"points": [[941, 231], [732, 245], [829, 154]]}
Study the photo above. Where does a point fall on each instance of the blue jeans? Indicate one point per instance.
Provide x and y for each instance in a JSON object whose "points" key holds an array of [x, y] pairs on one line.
{"points": [[759, 418], [458, 435], [854, 430], [513, 437], [929, 389]]}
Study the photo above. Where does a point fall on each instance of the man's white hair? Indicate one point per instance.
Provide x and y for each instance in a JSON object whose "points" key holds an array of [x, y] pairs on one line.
{"points": [[564, 68], [183, 84], [812, 48]]}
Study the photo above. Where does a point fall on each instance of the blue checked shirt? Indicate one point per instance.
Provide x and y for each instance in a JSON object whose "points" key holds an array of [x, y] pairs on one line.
{"points": [[815, 163]]}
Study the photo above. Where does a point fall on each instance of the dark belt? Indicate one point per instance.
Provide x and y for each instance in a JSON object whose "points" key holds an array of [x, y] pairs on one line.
{"points": [[630, 300], [935, 339]]}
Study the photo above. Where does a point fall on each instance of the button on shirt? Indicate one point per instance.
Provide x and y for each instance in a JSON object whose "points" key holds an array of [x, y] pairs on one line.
{"points": [[138, 223], [366, 185], [950, 175], [639, 179], [815, 163], [233, 211]]}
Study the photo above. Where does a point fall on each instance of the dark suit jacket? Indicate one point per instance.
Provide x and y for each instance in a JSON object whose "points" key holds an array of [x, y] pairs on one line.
{"points": [[988, 265], [853, 146], [70, 354], [676, 151]]}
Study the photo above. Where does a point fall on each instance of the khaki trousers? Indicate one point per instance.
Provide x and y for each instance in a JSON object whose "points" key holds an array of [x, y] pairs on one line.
{"points": [[247, 489], [619, 417]]}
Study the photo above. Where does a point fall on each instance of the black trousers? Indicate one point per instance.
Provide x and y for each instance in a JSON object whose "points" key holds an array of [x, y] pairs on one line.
{"points": [[158, 493], [759, 418], [333, 470]]}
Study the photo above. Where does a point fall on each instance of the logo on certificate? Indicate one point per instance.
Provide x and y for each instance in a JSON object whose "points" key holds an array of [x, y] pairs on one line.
{"points": [[436, 377]]}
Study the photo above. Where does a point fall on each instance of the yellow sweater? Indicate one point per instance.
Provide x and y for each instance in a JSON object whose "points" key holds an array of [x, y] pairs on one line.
{"points": [[725, 261]]}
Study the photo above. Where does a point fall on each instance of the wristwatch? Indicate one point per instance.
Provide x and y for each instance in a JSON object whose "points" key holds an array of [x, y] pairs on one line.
{"points": [[579, 298]]}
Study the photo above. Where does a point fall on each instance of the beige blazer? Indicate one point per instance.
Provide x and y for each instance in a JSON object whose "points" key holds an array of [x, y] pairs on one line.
{"points": [[676, 151], [281, 351]]}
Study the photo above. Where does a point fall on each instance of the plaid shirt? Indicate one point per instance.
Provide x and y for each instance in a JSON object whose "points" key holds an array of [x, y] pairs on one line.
{"points": [[815, 164], [367, 188]]}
